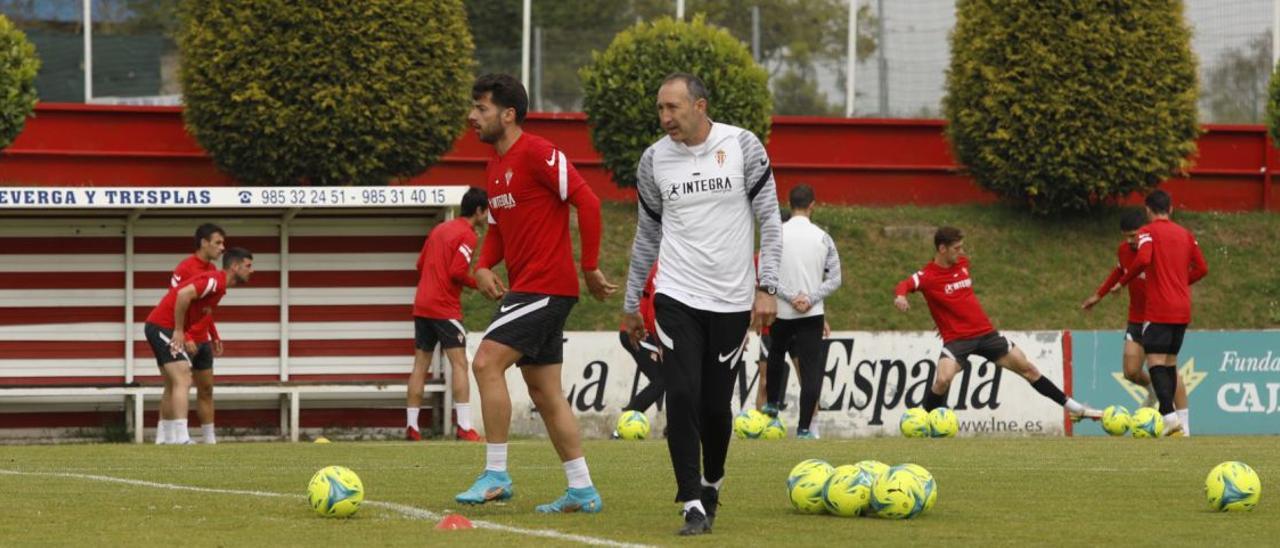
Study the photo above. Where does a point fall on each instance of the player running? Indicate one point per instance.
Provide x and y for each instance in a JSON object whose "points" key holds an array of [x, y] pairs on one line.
{"points": [[948, 290], [444, 268], [530, 186], [166, 327], [1171, 259], [1133, 355]]}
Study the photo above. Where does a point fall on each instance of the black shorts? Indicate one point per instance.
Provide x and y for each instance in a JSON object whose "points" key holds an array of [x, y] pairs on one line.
{"points": [[428, 332], [1163, 338], [158, 338], [533, 324], [991, 346], [1133, 332]]}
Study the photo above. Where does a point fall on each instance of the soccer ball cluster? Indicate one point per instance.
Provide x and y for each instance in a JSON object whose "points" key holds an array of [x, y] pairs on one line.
{"points": [[939, 423], [335, 492], [865, 488], [752, 424], [1143, 423]]}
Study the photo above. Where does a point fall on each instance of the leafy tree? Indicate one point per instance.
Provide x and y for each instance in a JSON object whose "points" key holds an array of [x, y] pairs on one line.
{"points": [[1236, 88], [18, 68]]}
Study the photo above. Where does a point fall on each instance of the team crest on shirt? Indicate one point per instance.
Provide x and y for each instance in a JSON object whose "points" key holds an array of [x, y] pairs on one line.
{"points": [[720, 155], [508, 175]]}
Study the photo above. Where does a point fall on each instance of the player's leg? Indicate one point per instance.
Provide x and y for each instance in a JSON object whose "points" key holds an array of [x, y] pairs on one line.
{"points": [[1132, 359], [202, 376], [726, 335], [782, 333], [1014, 360], [647, 361], [158, 340], [809, 351], [461, 387], [1182, 406], [1162, 343], [424, 345], [948, 366], [762, 371], [489, 366], [548, 398], [683, 334], [178, 375]]}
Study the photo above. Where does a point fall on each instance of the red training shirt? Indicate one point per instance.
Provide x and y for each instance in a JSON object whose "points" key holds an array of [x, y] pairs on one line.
{"points": [[530, 189], [1137, 288], [189, 268], [444, 266], [646, 303], [1172, 261], [210, 287], [952, 303]]}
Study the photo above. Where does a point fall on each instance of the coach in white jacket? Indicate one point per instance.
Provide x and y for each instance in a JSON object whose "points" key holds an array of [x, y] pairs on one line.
{"points": [[809, 273]]}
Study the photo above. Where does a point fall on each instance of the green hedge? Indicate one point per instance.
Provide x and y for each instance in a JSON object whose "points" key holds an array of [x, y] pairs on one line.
{"points": [[620, 86], [325, 92], [1067, 105], [18, 68]]}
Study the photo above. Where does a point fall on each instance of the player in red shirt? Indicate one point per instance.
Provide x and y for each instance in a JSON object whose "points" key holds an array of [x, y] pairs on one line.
{"points": [[210, 240], [168, 326], [444, 267], [948, 290], [1171, 260], [531, 186], [1130, 223]]}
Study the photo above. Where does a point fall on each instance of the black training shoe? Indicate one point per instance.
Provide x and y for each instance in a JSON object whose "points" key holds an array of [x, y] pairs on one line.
{"points": [[695, 523], [710, 500]]}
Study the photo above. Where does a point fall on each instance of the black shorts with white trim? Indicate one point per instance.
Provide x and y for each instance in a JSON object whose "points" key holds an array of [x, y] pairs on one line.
{"points": [[158, 339], [991, 346], [428, 332], [1163, 338], [1133, 332], [533, 324]]}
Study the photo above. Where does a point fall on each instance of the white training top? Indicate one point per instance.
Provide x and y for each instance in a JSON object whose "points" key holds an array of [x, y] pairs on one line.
{"points": [[810, 266]]}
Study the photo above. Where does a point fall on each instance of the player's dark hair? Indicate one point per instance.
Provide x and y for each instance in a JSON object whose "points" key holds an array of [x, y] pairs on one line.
{"points": [[1159, 202], [1132, 220], [801, 197], [785, 214], [235, 255], [474, 200], [206, 231], [697, 89], [947, 235], [505, 91]]}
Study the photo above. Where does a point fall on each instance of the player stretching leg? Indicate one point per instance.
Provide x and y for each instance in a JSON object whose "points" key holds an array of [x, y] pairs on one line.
{"points": [[948, 290]]}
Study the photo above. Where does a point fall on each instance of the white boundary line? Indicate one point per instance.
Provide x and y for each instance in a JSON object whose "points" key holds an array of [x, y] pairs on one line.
{"points": [[402, 509]]}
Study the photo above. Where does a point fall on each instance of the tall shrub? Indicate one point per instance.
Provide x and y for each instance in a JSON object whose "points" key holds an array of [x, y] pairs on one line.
{"points": [[18, 68], [1070, 104], [325, 92]]}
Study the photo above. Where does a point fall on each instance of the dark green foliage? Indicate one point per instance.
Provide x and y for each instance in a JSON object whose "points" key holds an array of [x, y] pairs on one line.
{"points": [[18, 68], [621, 85], [325, 92], [1067, 105]]}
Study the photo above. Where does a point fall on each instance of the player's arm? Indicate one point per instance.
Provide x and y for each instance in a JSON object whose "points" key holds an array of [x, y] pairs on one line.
{"points": [[490, 255], [762, 193], [831, 275], [911, 283], [1105, 288], [1199, 268], [180, 306], [644, 249], [460, 264], [1139, 263], [587, 205]]}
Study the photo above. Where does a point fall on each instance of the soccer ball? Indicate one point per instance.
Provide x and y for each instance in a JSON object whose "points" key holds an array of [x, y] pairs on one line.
{"points": [[897, 495], [633, 425], [1116, 420], [774, 431], [873, 467], [806, 489], [848, 490], [335, 492], [750, 424], [1147, 423], [1232, 487], [914, 423], [943, 423], [807, 466], [926, 482]]}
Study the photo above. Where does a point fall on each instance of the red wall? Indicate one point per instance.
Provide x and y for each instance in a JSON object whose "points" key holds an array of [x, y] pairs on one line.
{"points": [[852, 161]]}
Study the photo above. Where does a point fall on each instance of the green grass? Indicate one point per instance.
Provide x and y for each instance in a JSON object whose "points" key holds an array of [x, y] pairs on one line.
{"points": [[1030, 273], [992, 491]]}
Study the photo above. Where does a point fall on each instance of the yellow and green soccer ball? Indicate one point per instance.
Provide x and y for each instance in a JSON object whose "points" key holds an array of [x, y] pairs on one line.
{"points": [[899, 494], [774, 431], [750, 424], [1232, 487], [848, 490], [914, 423], [873, 467], [943, 423], [335, 492], [927, 482], [633, 425], [806, 484], [1116, 420], [1147, 423]]}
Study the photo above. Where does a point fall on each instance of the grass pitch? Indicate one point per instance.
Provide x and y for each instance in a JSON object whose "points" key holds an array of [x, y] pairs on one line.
{"points": [[992, 491]]}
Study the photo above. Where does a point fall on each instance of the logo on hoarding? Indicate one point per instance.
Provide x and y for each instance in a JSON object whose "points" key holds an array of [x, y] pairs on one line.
{"points": [[1190, 377]]}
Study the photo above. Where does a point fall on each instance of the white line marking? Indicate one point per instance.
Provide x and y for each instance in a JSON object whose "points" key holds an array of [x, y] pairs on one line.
{"points": [[402, 509]]}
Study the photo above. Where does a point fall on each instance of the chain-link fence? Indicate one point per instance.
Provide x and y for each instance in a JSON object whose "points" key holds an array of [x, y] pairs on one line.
{"points": [[902, 49]]}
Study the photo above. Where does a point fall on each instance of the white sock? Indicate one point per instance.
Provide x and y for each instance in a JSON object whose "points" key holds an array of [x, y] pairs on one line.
{"points": [[209, 437], [576, 472], [412, 415], [180, 433], [162, 432], [1073, 406], [1170, 419], [813, 426], [464, 415], [695, 503], [1184, 417], [716, 485], [495, 457]]}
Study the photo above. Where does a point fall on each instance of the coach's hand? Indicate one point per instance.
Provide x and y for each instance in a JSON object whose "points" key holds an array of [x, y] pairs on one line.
{"points": [[598, 285], [634, 324], [489, 284], [764, 310], [901, 302], [1087, 305]]}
